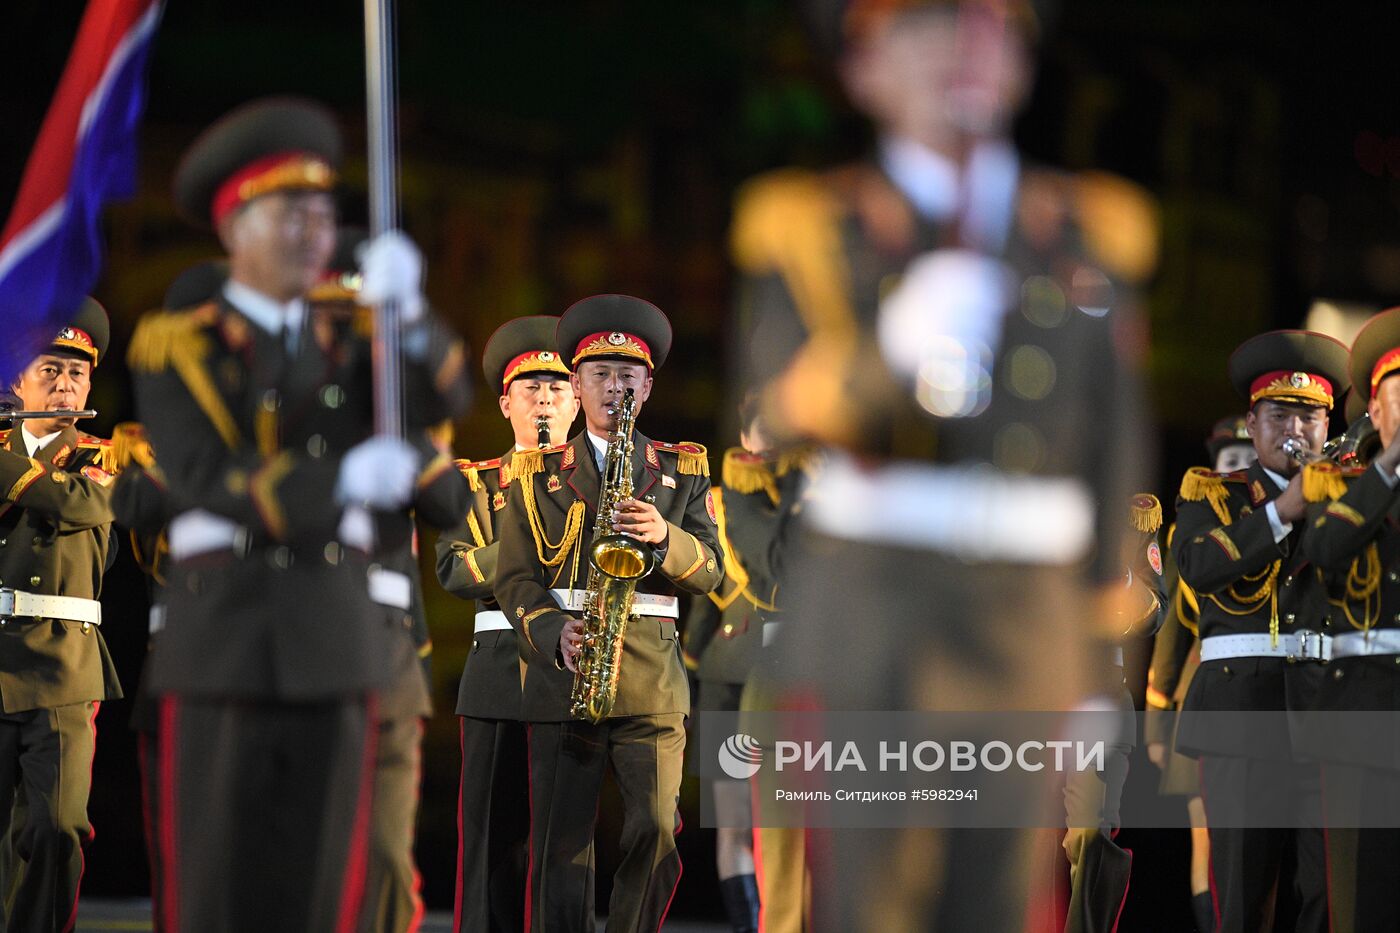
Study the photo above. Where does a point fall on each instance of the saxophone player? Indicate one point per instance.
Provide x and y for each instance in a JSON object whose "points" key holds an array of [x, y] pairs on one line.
{"points": [[614, 343]]}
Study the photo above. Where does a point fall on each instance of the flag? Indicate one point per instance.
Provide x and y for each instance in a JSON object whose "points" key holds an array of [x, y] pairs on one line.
{"points": [[85, 155]]}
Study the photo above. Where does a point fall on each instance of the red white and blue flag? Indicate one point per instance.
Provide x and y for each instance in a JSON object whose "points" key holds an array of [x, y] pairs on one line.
{"points": [[85, 155]]}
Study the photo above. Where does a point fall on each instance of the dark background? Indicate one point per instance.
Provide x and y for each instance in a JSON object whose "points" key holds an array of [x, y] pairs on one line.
{"points": [[556, 149]]}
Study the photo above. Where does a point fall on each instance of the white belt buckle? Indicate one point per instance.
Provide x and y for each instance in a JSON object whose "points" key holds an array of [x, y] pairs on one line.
{"points": [[1312, 646]]}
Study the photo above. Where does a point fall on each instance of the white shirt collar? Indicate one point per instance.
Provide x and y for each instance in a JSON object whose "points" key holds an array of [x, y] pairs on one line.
{"points": [[268, 313], [34, 444], [600, 447], [931, 181]]}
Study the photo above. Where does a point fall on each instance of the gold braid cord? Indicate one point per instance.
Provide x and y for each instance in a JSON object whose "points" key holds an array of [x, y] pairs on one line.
{"points": [[1251, 603], [1363, 585], [569, 542], [474, 527], [1186, 599], [174, 340]]}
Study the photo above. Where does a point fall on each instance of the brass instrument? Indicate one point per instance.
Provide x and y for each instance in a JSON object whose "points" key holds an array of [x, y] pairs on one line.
{"points": [[11, 412], [1356, 446], [541, 431], [616, 562]]}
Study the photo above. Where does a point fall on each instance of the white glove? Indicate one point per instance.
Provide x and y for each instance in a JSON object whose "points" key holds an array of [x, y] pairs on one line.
{"points": [[380, 472], [391, 269]]}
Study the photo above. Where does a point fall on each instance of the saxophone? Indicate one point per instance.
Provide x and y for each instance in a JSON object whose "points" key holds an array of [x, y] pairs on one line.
{"points": [[615, 563]]}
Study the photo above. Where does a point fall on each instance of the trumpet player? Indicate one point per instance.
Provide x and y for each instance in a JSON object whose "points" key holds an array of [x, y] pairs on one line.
{"points": [[1263, 624], [1352, 538], [615, 343], [538, 401]]}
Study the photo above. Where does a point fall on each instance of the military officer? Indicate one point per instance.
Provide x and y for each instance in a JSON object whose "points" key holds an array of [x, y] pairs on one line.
{"points": [[615, 343], [961, 328], [55, 545], [277, 643], [1352, 536], [1175, 657], [1261, 614], [722, 635], [538, 401]]}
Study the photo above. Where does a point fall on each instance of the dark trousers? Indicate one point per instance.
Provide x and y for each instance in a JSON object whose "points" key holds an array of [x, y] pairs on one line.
{"points": [[392, 900], [567, 762], [1244, 800], [493, 828], [45, 776], [147, 758], [1363, 847], [1099, 870], [265, 812]]}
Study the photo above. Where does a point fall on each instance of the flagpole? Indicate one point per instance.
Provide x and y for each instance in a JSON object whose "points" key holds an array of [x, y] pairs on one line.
{"points": [[381, 92]]}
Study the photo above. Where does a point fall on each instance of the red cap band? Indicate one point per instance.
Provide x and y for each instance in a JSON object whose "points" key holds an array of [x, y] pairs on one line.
{"points": [[281, 171], [613, 343], [1293, 386]]}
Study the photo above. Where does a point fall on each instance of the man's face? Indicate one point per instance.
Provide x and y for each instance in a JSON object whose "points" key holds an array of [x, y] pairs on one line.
{"points": [[53, 383], [600, 384], [1272, 423], [1233, 457], [1385, 409], [541, 394], [281, 243], [753, 439], [925, 74]]}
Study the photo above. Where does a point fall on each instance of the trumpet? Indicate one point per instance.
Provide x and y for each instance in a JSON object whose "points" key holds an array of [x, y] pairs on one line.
{"points": [[1355, 446], [1302, 453], [542, 431]]}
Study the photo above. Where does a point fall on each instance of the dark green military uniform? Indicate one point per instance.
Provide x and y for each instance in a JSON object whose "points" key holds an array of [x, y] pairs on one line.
{"points": [[55, 540], [277, 644], [1256, 593], [494, 807], [549, 517], [1352, 536]]}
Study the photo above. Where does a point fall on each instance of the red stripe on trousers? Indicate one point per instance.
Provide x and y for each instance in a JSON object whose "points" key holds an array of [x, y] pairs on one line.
{"points": [[461, 850], [72, 920], [530, 855], [352, 892], [166, 775]]}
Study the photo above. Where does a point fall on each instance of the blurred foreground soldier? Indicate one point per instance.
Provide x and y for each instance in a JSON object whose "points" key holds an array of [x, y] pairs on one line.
{"points": [[55, 545], [441, 495], [962, 323], [538, 401], [277, 642], [1099, 867], [615, 343], [1263, 623], [1352, 535], [722, 637], [1175, 657]]}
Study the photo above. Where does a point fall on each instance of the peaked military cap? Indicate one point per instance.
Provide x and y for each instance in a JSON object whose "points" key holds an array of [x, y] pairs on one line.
{"points": [[275, 144], [614, 327], [520, 347], [1298, 367], [1375, 354], [835, 24], [86, 334], [1227, 431], [199, 283]]}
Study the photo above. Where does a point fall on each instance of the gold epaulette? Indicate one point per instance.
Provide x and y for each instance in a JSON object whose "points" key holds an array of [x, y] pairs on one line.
{"points": [[1146, 513], [471, 469], [529, 462], [747, 473], [1203, 483], [176, 340], [691, 459], [161, 338], [129, 444], [1324, 480], [1120, 224], [801, 457]]}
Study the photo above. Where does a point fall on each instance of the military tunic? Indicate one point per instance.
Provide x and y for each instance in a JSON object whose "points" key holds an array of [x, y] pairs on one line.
{"points": [[642, 741], [55, 539]]}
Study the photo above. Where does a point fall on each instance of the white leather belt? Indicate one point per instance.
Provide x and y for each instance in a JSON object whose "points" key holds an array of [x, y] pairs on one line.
{"points": [[491, 620], [156, 621], [770, 632], [1303, 645], [200, 532], [17, 604], [979, 514], [1356, 644], [643, 604], [390, 588]]}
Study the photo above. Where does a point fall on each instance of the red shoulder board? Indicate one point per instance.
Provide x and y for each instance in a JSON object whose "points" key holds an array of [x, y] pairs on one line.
{"points": [[5, 436], [91, 440], [99, 476], [686, 448], [478, 465]]}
